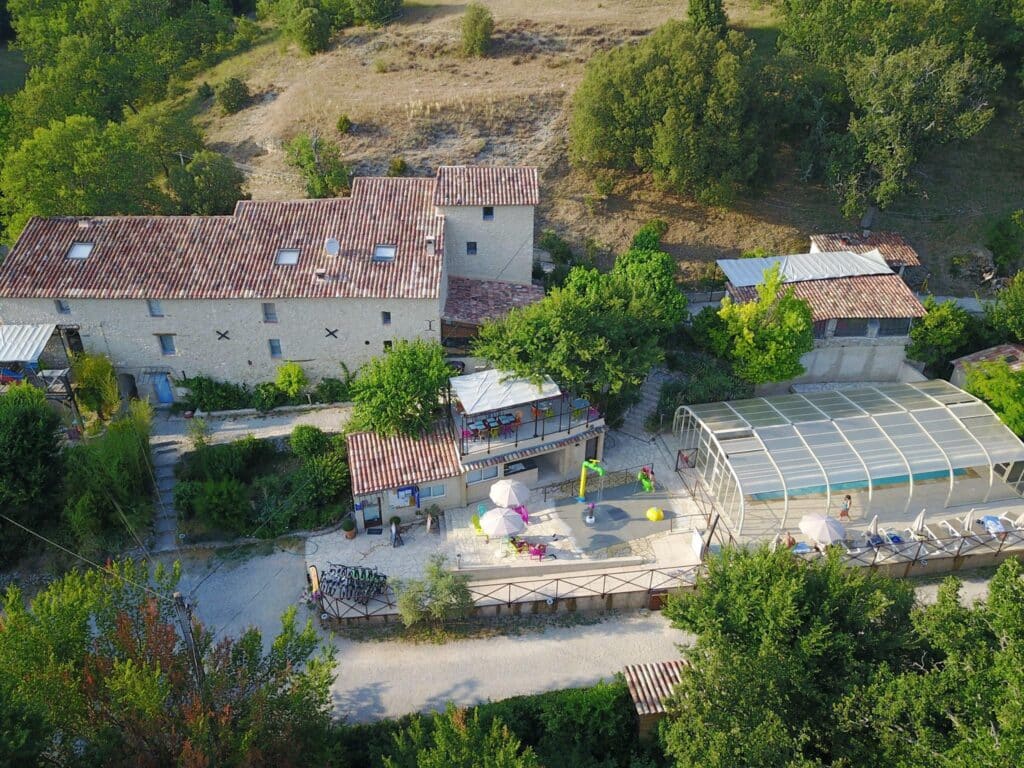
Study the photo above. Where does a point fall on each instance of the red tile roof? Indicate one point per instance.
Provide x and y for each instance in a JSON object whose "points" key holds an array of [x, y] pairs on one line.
{"points": [[651, 684], [486, 185], [896, 251], [379, 463], [862, 296], [473, 301], [220, 257], [1013, 354]]}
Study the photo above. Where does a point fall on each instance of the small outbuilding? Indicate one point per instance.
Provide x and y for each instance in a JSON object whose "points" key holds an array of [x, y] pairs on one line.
{"points": [[650, 686], [1011, 354]]}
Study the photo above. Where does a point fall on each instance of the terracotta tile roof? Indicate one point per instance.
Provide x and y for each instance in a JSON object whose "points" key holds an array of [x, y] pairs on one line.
{"points": [[486, 185], [896, 251], [378, 463], [862, 296], [219, 257], [473, 301], [651, 684], [1011, 353]]}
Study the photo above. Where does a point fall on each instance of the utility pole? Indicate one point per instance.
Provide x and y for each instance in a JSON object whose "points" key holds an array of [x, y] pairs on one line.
{"points": [[185, 620]]}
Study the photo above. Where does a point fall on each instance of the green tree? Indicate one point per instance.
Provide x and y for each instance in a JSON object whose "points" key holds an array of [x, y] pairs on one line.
{"points": [[939, 336], [376, 13], [291, 379], [648, 237], [31, 465], [311, 29], [765, 338], [95, 384], [685, 104], [23, 735], [1002, 388], [307, 441], [99, 655], [1006, 313], [477, 28], [441, 596], [457, 739], [707, 14], [233, 95], [209, 184], [780, 644], [400, 392], [75, 167], [321, 165]]}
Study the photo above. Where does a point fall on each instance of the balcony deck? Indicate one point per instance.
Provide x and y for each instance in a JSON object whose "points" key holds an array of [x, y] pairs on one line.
{"points": [[531, 432]]}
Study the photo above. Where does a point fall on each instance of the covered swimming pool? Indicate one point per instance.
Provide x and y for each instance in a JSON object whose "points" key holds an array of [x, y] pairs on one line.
{"points": [[924, 444]]}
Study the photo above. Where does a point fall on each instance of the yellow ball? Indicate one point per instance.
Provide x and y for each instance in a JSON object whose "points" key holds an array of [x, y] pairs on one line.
{"points": [[654, 514]]}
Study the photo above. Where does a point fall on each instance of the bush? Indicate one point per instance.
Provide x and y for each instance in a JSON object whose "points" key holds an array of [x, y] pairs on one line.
{"points": [[1005, 238], [376, 13], [321, 165], [348, 524], [324, 479], [397, 167], [704, 379], [648, 237], [233, 95], [307, 441], [206, 394], [705, 326], [222, 504], [344, 124], [477, 28], [240, 460], [311, 30], [267, 396], [95, 384], [185, 494], [331, 391], [555, 245], [442, 596], [204, 92], [291, 379]]}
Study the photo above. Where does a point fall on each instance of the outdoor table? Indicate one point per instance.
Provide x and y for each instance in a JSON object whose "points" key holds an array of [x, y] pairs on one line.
{"points": [[491, 422], [506, 418], [477, 425], [580, 403]]}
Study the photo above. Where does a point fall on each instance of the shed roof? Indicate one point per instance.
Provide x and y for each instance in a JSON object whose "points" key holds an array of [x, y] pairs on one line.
{"points": [[493, 390], [472, 301], [461, 185], [804, 266], [1012, 354], [650, 685], [23, 343], [862, 296], [896, 251], [378, 463]]}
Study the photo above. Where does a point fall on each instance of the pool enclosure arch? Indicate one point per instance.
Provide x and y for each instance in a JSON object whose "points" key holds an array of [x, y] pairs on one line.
{"points": [[893, 437]]}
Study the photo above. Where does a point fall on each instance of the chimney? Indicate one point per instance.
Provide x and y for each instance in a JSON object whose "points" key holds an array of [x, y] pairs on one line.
{"points": [[430, 245], [321, 274]]}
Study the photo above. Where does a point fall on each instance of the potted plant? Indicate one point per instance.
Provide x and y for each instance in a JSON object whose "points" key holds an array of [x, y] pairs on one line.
{"points": [[394, 520], [348, 525]]}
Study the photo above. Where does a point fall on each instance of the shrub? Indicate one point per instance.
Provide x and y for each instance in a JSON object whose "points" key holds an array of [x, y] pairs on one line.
{"points": [[291, 379], [267, 396], [307, 441], [95, 384], [331, 391], [397, 167], [222, 504], [348, 524], [240, 460], [324, 479], [198, 432], [555, 245], [442, 596], [376, 13], [941, 335], [344, 124], [707, 13], [704, 379], [205, 91], [185, 494], [206, 394], [233, 95], [311, 30], [648, 237], [321, 165], [1005, 238], [706, 325], [477, 28]]}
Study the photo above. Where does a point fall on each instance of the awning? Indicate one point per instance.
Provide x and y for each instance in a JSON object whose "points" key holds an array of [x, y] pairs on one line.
{"points": [[23, 343], [494, 390]]}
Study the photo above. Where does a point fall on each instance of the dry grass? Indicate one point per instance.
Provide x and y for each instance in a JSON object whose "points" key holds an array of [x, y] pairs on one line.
{"points": [[410, 94]]}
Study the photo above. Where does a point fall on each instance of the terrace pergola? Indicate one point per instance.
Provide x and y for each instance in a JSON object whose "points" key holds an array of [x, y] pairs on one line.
{"points": [[828, 443]]}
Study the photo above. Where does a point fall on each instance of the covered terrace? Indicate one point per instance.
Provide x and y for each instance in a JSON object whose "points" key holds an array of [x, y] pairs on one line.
{"points": [[495, 412], [899, 450]]}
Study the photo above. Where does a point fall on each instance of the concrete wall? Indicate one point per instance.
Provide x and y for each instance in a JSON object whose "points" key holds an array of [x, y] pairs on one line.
{"points": [[850, 359], [391, 506], [123, 330], [504, 245]]}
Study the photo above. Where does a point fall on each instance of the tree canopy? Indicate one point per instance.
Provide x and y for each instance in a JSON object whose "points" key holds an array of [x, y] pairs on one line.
{"points": [[1006, 313], [939, 336], [765, 338], [1002, 388], [399, 393]]}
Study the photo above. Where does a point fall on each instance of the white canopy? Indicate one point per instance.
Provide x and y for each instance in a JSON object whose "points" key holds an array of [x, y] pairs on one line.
{"points": [[494, 390], [23, 343], [805, 266]]}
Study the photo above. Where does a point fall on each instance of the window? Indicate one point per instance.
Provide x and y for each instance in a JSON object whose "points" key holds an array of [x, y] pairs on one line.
{"points": [[63, 308], [820, 328], [269, 312], [79, 251], [488, 213], [167, 344], [894, 326], [388, 345], [384, 252], [287, 256], [471, 248], [431, 492], [275, 347], [479, 475], [851, 326], [156, 309], [385, 318]]}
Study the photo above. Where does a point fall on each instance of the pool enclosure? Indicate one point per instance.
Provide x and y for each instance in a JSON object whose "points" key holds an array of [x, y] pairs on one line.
{"points": [[926, 445]]}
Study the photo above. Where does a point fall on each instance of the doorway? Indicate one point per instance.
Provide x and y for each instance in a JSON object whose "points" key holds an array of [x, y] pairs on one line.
{"points": [[162, 388], [127, 387], [372, 520], [591, 449]]}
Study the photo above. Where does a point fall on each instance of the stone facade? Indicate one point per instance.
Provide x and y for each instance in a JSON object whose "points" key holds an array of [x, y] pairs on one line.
{"points": [[504, 243]]}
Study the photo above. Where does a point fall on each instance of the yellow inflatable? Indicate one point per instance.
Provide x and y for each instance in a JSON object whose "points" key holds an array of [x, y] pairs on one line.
{"points": [[654, 514]]}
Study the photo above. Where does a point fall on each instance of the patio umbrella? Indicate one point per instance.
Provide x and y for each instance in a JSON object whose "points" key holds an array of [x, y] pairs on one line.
{"points": [[873, 526], [823, 529], [502, 522], [510, 493], [918, 524]]}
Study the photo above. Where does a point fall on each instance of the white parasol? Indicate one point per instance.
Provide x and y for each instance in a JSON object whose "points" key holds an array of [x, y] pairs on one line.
{"points": [[510, 493], [822, 529], [502, 522]]}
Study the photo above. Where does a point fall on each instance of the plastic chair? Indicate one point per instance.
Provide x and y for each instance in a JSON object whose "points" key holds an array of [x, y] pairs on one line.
{"points": [[475, 520]]}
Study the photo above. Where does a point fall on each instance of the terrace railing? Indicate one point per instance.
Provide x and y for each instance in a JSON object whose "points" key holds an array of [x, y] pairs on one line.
{"points": [[537, 422]]}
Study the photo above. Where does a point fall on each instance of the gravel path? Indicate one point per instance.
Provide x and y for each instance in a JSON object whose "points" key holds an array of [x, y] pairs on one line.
{"points": [[387, 679]]}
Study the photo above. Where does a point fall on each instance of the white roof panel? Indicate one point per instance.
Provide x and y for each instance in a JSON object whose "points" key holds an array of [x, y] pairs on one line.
{"points": [[805, 266], [494, 390], [23, 343]]}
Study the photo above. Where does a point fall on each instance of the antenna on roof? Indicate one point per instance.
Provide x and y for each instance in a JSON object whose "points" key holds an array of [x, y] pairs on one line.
{"points": [[332, 246]]}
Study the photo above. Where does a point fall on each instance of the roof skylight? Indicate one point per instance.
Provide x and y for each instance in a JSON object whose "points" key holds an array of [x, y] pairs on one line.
{"points": [[80, 251], [287, 256], [384, 252]]}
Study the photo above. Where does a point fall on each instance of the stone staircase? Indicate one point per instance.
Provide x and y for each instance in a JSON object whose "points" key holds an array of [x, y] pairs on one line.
{"points": [[165, 519], [633, 424]]}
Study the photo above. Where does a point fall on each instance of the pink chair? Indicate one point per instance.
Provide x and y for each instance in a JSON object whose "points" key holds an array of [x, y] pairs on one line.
{"points": [[538, 551]]}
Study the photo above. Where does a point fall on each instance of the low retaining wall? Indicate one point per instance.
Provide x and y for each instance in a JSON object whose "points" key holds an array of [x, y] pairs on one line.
{"points": [[248, 412]]}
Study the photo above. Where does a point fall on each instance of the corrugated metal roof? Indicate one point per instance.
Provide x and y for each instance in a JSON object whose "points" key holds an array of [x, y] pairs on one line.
{"points": [[379, 463], [804, 266], [864, 296], [1013, 354], [218, 257], [896, 251], [474, 301], [535, 450], [486, 185], [23, 343], [651, 685]]}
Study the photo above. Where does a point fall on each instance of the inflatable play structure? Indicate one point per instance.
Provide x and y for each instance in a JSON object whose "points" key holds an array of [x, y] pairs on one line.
{"points": [[594, 466], [646, 478]]}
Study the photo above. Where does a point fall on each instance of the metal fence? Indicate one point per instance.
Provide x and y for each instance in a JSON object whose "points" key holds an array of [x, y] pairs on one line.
{"points": [[917, 549]]}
